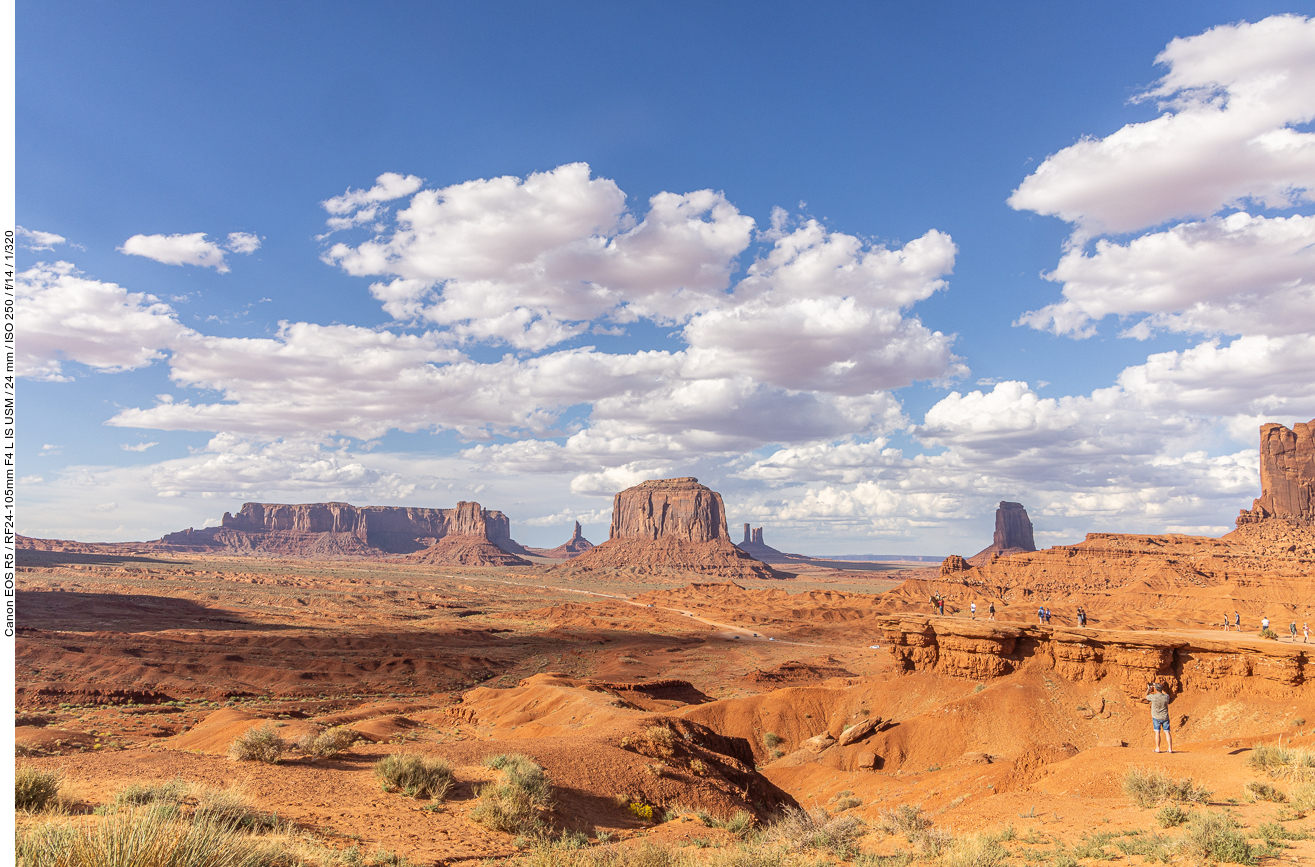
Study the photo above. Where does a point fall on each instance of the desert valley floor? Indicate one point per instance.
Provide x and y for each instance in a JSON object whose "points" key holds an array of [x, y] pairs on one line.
{"points": [[835, 688]]}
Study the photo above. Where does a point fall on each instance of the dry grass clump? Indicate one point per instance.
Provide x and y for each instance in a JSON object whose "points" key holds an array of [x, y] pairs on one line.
{"points": [[260, 744], [415, 775], [150, 835], [1213, 836], [1149, 787], [327, 743], [1171, 816], [815, 829], [514, 803], [550, 853], [165, 795], [661, 740], [975, 850], [35, 789], [906, 819], [1257, 791], [1282, 762]]}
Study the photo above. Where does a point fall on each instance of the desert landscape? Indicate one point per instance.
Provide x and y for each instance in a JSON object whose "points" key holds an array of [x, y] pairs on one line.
{"points": [[670, 697]]}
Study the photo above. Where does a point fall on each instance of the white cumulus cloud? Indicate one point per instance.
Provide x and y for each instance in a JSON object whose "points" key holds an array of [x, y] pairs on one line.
{"points": [[36, 240]]}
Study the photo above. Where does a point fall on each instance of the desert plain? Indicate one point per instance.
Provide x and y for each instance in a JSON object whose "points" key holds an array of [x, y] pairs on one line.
{"points": [[689, 703]]}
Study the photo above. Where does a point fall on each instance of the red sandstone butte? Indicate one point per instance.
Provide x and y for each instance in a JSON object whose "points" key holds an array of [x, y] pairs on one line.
{"points": [[754, 546], [1287, 476], [675, 525], [1013, 534]]}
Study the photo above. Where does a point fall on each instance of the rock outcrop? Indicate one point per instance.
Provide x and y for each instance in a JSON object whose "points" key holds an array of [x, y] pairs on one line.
{"points": [[1129, 660], [754, 546], [1013, 534], [341, 529], [577, 545], [1287, 476], [671, 525]]}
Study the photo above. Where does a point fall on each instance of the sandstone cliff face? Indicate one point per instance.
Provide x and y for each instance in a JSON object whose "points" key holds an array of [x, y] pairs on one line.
{"points": [[341, 529], [671, 524], [1128, 660], [1287, 476]]}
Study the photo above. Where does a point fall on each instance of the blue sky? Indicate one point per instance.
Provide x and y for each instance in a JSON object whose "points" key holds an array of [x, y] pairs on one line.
{"points": [[770, 246]]}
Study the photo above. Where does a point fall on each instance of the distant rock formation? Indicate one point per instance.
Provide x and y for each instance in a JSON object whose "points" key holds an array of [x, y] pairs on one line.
{"points": [[1287, 476], [754, 546], [954, 563], [475, 537], [341, 529], [671, 525], [1013, 534], [567, 550]]}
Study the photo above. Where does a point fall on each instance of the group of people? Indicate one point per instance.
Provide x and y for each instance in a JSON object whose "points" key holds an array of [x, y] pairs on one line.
{"points": [[1236, 625], [1043, 616], [938, 605]]}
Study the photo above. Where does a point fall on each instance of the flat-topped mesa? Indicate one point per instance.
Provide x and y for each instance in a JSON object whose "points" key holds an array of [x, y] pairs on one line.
{"points": [[754, 546], [577, 545], [671, 524], [1013, 534], [1287, 476], [341, 529]]}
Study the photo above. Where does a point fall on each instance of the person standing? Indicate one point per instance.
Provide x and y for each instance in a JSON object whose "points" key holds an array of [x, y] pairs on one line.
{"points": [[1041, 616], [972, 609], [1159, 700], [991, 611], [1237, 622], [1226, 621], [1264, 624], [1292, 630], [1305, 632]]}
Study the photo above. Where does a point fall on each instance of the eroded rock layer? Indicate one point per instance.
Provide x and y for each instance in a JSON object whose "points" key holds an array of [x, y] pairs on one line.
{"points": [[671, 524], [1287, 476]]}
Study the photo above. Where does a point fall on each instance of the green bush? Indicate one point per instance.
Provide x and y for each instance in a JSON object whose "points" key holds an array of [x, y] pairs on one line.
{"points": [[1149, 787], [1213, 836], [771, 739], [260, 744], [1153, 848], [1171, 816], [513, 804], [1268, 633], [35, 789], [415, 775]]}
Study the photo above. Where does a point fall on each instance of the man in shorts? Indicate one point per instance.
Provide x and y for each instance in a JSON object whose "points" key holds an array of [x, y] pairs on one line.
{"points": [[1159, 699]]}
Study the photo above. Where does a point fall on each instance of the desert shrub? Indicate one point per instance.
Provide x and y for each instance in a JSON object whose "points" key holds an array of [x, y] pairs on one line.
{"points": [[641, 811], [815, 829], [1257, 791], [1274, 833], [35, 789], [327, 743], [906, 819], [932, 842], [1171, 816], [260, 744], [170, 795], [415, 775], [975, 850], [1283, 762], [1302, 796], [740, 823], [899, 859], [149, 835], [1149, 787], [661, 740], [848, 803], [698, 766], [1153, 848], [771, 739], [1213, 836], [513, 803], [1093, 847], [1268, 633]]}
